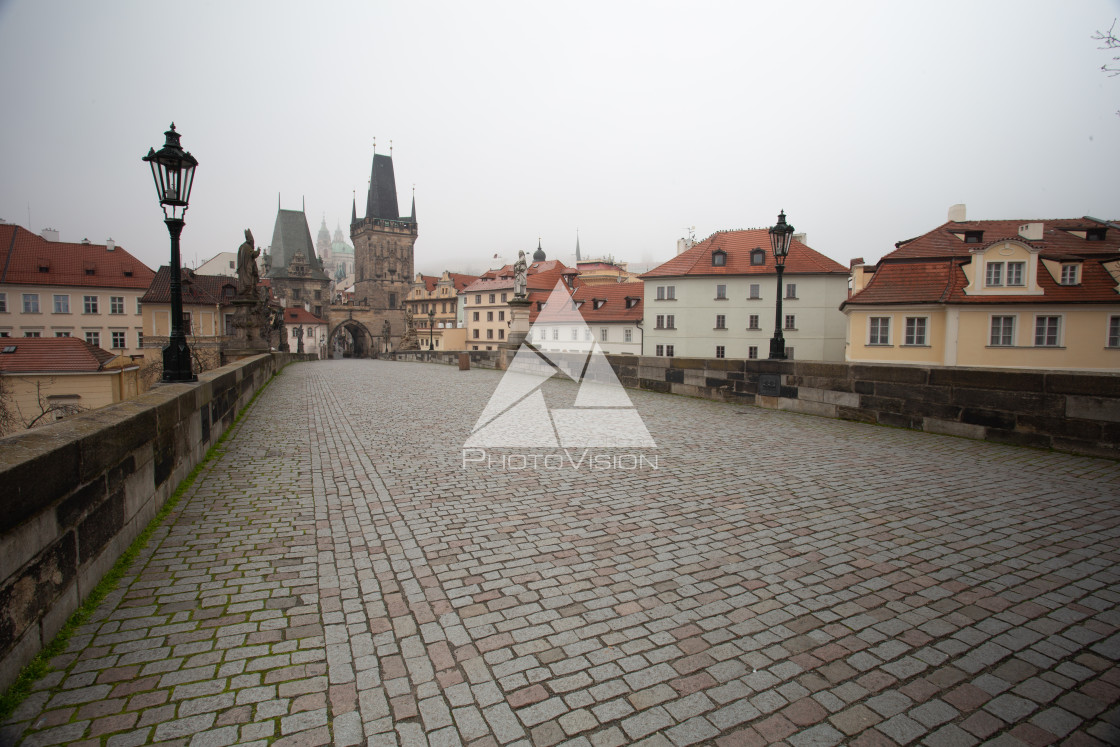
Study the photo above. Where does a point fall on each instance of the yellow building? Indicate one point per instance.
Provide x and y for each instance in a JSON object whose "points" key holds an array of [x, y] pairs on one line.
{"points": [[50, 288], [486, 301], [43, 379], [994, 294], [443, 329], [207, 314]]}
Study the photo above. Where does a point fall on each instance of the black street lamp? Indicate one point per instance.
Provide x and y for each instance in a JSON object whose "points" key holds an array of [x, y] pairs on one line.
{"points": [[780, 236], [173, 173], [431, 327]]}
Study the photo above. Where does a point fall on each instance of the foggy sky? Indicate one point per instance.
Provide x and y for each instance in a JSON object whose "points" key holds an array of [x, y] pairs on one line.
{"points": [[631, 122]]}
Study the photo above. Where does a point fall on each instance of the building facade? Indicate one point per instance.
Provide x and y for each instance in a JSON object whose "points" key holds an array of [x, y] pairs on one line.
{"points": [[47, 379], [293, 268], [608, 314], [993, 293], [717, 299], [486, 301], [312, 330], [384, 243], [440, 295], [50, 288], [207, 314]]}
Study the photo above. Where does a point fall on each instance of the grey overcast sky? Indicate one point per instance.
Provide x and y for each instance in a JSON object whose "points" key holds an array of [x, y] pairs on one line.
{"points": [[629, 121]]}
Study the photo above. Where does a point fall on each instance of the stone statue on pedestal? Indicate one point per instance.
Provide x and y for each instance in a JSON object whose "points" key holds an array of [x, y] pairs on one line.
{"points": [[520, 276], [247, 275]]}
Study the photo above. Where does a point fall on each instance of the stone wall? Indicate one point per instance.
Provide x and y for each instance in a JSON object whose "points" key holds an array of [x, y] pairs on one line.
{"points": [[78, 492], [479, 358], [1076, 412]]}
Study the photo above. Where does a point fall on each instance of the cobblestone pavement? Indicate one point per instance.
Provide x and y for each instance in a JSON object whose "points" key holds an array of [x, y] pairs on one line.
{"points": [[337, 576]]}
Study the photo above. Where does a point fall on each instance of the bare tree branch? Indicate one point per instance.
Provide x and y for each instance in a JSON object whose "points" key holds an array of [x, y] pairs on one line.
{"points": [[1110, 41]]}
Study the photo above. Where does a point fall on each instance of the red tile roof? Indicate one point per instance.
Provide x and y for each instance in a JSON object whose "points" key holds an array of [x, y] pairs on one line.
{"points": [[1056, 242], [614, 308], [300, 315], [29, 259], [198, 290], [458, 280], [538, 276], [51, 354], [738, 246]]}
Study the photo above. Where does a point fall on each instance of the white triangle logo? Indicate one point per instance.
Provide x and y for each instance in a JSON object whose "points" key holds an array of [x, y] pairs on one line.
{"points": [[517, 414]]}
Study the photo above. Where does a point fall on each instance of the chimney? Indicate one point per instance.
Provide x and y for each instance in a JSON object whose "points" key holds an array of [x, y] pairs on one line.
{"points": [[110, 245], [86, 240], [957, 213], [855, 263], [802, 237], [50, 234], [1031, 231], [683, 245]]}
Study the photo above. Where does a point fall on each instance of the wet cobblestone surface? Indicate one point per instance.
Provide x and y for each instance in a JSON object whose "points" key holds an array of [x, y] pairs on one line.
{"points": [[337, 576]]}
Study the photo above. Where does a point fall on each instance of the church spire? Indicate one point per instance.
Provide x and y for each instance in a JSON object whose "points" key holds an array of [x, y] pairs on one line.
{"points": [[577, 246], [354, 209], [413, 203]]}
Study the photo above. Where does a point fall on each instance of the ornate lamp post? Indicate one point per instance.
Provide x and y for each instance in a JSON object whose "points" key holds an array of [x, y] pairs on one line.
{"points": [[431, 326], [780, 236], [173, 173]]}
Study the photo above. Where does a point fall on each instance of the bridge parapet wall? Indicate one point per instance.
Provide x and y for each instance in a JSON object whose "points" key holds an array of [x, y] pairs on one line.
{"points": [[1064, 410], [78, 492]]}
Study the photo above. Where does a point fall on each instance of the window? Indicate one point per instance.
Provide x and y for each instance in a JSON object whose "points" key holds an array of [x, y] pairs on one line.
{"points": [[139, 339], [475, 317], [61, 334], [670, 322], [501, 334], [489, 334], [61, 304], [660, 351], [31, 334], [228, 324], [669, 351], [755, 290], [660, 294], [791, 290], [492, 298], [504, 297], [187, 322], [719, 258], [758, 257], [973, 237], [476, 336], [295, 293], [1015, 273], [670, 294], [1003, 330], [489, 316], [628, 334], [93, 338], [721, 321], [318, 296], [721, 292], [444, 309], [138, 306], [5, 333], [392, 300], [575, 333], [3, 302], [791, 321], [752, 321], [1046, 331], [501, 316], [116, 304], [318, 311], [993, 275], [118, 340], [555, 333], [752, 352], [1069, 274], [478, 298], [1114, 331], [660, 321], [90, 304], [603, 331], [719, 351], [30, 303], [915, 330], [879, 330]]}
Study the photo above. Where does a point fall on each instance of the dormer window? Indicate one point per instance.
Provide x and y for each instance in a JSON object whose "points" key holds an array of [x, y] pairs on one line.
{"points": [[597, 303], [44, 265], [758, 257], [631, 302], [1095, 234], [719, 258], [973, 237], [128, 272], [1070, 274]]}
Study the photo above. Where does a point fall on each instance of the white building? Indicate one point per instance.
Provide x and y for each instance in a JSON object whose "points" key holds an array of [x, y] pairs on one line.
{"points": [[608, 314], [717, 300]]}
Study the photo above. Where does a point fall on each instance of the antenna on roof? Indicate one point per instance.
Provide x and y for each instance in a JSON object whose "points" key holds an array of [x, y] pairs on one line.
{"points": [[375, 145], [304, 199], [390, 147]]}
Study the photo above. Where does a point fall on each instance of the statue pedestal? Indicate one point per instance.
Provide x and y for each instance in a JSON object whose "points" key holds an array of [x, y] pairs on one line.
{"points": [[250, 331], [518, 323]]}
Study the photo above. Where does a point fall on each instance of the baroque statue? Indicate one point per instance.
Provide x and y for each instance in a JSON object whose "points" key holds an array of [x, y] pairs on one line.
{"points": [[247, 276], [520, 273]]}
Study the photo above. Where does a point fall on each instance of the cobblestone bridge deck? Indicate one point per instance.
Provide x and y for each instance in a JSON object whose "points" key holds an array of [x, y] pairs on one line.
{"points": [[336, 575]]}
